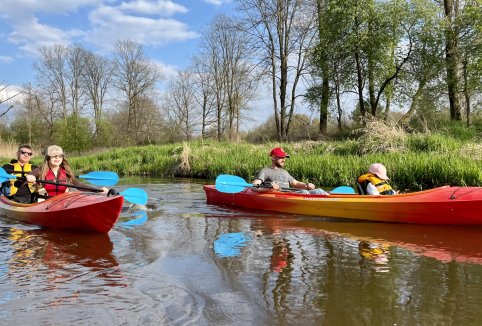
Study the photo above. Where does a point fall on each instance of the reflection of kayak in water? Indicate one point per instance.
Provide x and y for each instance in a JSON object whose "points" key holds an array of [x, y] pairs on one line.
{"points": [[89, 250], [57, 248], [443, 243]]}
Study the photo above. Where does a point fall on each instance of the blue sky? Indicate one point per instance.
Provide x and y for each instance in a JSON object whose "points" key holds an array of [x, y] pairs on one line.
{"points": [[168, 30]]}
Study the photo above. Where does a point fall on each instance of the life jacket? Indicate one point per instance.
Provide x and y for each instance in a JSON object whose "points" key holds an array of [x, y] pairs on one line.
{"points": [[382, 186], [54, 190], [20, 171]]}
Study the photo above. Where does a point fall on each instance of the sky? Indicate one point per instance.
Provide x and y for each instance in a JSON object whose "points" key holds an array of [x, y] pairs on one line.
{"points": [[168, 30]]}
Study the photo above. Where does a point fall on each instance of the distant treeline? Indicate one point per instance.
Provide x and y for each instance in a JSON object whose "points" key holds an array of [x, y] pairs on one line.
{"points": [[414, 62]]}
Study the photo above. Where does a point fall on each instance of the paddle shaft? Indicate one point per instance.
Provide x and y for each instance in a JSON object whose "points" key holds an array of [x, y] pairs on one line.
{"points": [[66, 185]]}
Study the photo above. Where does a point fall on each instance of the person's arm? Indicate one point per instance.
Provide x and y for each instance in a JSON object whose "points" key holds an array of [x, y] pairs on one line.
{"points": [[76, 182], [371, 189], [302, 185]]}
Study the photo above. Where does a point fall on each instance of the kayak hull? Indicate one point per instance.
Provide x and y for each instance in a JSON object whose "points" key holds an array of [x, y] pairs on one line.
{"points": [[75, 211], [444, 205]]}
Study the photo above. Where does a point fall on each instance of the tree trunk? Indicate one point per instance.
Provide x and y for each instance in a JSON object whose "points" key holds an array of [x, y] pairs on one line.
{"points": [[451, 57]]}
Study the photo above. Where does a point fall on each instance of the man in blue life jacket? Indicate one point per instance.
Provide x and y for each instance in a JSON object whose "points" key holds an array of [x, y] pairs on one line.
{"points": [[20, 190]]}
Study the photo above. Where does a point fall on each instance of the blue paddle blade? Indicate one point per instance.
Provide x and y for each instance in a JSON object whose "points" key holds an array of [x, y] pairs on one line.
{"points": [[343, 190], [101, 178], [141, 218], [135, 195], [4, 176], [231, 183], [230, 244]]}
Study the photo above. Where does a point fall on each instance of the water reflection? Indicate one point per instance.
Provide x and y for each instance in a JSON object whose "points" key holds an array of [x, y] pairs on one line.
{"points": [[444, 243], [48, 261]]}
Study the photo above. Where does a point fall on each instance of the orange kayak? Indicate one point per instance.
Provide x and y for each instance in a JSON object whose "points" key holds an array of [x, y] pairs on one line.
{"points": [[77, 211], [443, 205]]}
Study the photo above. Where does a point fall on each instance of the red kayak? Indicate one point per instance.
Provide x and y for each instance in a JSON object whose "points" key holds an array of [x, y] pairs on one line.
{"points": [[77, 211], [443, 205]]}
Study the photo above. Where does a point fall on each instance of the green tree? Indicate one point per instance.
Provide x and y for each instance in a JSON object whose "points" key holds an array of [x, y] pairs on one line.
{"points": [[73, 134]]}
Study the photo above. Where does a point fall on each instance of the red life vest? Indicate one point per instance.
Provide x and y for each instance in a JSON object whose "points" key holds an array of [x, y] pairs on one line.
{"points": [[54, 190]]}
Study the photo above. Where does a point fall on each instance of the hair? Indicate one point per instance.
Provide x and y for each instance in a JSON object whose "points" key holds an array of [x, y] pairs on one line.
{"points": [[24, 146], [45, 167]]}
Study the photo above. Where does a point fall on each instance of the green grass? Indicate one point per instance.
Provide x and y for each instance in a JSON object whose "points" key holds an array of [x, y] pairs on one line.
{"points": [[421, 161], [426, 161]]}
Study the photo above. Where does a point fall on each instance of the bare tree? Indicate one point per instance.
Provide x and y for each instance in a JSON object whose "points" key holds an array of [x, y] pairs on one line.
{"points": [[227, 53], [202, 88], [97, 78], [51, 75], [182, 103], [282, 32], [74, 68], [5, 97], [135, 76]]}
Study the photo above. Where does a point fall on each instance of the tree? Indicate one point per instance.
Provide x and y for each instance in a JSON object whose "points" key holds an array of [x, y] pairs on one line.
{"points": [[6, 97], [136, 77], [281, 32], [51, 76], [202, 90], [97, 78], [452, 55], [226, 51], [182, 104]]}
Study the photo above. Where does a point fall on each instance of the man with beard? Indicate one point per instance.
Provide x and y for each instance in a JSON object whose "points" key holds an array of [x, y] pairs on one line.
{"points": [[276, 177]]}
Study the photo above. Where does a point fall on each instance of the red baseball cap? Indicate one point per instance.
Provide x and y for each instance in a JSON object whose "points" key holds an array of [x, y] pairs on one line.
{"points": [[278, 152]]}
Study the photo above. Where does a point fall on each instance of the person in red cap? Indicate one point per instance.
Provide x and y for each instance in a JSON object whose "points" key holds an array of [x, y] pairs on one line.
{"points": [[276, 177], [375, 181]]}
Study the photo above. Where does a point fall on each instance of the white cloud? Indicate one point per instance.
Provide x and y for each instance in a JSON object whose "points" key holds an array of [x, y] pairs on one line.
{"points": [[30, 35], [167, 71], [6, 59], [111, 24], [160, 7], [217, 2], [21, 7]]}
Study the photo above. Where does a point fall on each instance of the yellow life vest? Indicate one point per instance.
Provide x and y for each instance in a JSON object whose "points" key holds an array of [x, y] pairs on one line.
{"points": [[20, 171], [382, 186]]}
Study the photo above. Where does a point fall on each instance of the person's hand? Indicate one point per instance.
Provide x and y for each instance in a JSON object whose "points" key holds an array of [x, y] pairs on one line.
{"points": [[275, 185], [31, 178], [104, 191], [310, 186]]}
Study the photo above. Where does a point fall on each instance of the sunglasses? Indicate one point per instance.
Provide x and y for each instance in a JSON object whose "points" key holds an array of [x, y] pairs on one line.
{"points": [[26, 153], [56, 156]]}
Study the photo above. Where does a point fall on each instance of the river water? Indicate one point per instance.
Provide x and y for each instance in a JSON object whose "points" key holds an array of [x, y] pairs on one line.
{"points": [[180, 261]]}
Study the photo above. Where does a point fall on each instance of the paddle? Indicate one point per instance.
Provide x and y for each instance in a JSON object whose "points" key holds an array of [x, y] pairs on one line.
{"points": [[141, 218], [232, 184], [101, 178], [134, 195]]}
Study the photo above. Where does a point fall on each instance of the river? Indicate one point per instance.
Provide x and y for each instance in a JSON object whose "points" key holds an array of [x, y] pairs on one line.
{"points": [[180, 261]]}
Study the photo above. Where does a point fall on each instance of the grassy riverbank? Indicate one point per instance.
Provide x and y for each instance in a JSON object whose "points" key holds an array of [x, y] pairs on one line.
{"points": [[414, 163]]}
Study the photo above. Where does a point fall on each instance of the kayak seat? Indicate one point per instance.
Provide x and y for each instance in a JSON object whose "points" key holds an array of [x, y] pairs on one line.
{"points": [[359, 188]]}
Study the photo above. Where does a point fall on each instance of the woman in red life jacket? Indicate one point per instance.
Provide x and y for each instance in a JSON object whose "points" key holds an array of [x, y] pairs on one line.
{"points": [[56, 168]]}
